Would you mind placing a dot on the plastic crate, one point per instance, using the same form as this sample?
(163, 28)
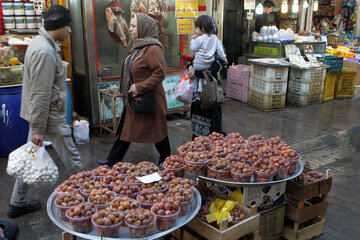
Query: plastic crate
(307, 75)
(344, 87)
(265, 87)
(356, 91)
(329, 85)
(273, 51)
(335, 63)
(266, 102)
(238, 92)
(271, 74)
(238, 74)
(307, 87)
(304, 99)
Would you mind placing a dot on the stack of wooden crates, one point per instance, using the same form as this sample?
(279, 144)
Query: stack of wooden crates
(306, 205)
(306, 86)
(268, 85)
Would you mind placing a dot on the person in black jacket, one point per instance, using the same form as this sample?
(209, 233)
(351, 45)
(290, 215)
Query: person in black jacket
(262, 20)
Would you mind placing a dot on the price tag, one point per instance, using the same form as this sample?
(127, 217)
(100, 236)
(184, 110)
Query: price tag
(155, 177)
(249, 15)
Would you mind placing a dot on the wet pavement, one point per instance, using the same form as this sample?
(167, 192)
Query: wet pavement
(326, 135)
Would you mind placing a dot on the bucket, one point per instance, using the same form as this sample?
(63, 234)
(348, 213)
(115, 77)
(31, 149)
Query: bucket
(38, 21)
(29, 8)
(69, 117)
(30, 21)
(14, 129)
(20, 22)
(7, 7)
(9, 21)
(18, 8)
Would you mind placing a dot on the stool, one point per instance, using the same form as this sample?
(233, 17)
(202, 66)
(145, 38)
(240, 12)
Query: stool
(113, 93)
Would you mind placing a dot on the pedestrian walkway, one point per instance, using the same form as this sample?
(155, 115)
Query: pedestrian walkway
(326, 135)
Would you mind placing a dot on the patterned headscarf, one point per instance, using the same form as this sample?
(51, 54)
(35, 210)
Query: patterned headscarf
(147, 35)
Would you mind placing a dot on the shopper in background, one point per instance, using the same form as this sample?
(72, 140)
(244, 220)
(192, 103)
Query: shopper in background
(9, 229)
(206, 45)
(43, 102)
(147, 71)
(205, 122)
(262, 20)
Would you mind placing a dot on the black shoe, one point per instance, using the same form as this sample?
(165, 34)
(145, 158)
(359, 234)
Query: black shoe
(105, 162)
(14, 211)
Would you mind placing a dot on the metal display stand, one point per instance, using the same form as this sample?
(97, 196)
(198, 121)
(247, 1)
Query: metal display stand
(299, 170)
(124, 232)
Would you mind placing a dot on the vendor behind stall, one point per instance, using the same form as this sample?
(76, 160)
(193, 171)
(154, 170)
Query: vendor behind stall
(262, 20)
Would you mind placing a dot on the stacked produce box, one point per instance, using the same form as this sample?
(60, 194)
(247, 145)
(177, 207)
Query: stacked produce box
(332, 75)
(306, 205)
(344, 87)
(238, 78)
(306, 86)
(268, 86)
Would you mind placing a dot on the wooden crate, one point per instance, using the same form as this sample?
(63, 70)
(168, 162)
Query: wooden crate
(305, 233)
(308, 191)
(301, 211)
(249, 225)
(272, 223)
(186, 233)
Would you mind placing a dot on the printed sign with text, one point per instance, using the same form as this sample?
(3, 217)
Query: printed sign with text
(185, 26)
(186, 8)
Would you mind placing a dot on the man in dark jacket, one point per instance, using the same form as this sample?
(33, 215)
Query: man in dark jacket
(262, 20)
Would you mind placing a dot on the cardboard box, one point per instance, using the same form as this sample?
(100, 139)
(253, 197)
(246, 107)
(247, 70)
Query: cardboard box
(356, 66)
(264, 198)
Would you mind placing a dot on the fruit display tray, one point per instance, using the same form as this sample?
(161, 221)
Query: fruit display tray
(299, 170)
(124, 232)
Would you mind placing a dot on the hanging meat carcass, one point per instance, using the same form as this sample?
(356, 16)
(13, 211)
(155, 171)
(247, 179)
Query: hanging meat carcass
(138, 6)
(117, 25)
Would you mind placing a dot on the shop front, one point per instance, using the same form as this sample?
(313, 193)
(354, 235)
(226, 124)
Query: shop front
(98, 55)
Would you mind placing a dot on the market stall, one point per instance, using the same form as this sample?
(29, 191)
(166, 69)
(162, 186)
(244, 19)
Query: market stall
(239, 188)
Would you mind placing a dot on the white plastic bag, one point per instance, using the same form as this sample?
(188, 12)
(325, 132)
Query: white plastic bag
(81, 131)
(184, 92)
(32, 165)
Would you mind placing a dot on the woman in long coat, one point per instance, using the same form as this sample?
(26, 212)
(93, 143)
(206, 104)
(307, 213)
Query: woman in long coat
(147, 71)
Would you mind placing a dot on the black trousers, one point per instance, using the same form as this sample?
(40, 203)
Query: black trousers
(210, 120)
(120, 148)
(11, 229)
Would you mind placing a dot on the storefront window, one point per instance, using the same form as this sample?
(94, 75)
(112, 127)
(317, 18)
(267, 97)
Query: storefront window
(172, 40)
(112, 53)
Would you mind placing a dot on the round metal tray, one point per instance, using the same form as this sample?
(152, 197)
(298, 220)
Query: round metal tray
(299, 170)
(124, 233)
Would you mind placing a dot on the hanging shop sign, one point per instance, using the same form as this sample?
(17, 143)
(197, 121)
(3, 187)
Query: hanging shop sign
(186, 8)
(202, 5)
(185, 26)
(249, 4)
(249, 15)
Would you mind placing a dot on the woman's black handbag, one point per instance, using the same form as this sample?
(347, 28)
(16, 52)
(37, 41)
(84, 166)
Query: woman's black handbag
(144, 103)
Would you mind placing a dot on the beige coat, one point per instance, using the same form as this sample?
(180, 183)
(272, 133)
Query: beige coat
(148, 72)
(43, 100)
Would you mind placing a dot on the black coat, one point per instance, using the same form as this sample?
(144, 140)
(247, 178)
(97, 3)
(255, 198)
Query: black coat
(261, 20)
